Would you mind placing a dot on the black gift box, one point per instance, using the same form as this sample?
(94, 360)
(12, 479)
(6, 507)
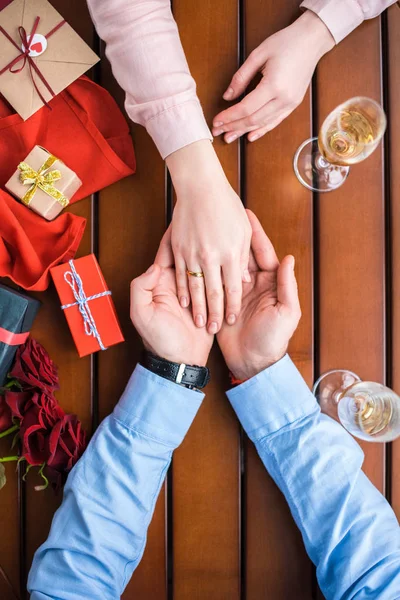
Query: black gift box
(17, 313)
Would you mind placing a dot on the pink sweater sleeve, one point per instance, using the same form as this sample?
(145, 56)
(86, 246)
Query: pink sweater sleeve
(342, 16)
(148, 61)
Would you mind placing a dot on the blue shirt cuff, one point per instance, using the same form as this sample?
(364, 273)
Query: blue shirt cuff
(157, 408)
(274, 398)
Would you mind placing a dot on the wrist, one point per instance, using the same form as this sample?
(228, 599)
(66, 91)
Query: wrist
(189, 375)
(248, 369)
(316, 33)
(194, 164)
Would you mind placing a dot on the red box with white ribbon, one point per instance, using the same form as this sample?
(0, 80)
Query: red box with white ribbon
(87, 304)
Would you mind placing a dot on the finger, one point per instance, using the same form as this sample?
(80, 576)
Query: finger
(262, 247)
(258, 133)
(255, 120)
(248, 106)
(215, 298)
(182, 282)
(231, 137)
(287, 285)
(243, 76)
(142, 292)
(244, 263)
(253, 266)
(165, 256)
(233, 290)
(198, 297)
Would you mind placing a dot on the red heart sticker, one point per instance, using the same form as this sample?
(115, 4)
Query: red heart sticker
(36, 47)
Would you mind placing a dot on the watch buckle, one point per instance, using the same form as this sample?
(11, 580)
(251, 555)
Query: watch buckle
(180, 373)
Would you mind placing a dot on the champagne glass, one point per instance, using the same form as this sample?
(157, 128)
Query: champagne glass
(349, 134)
(368, 410)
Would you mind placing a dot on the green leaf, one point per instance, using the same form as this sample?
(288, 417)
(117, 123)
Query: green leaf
(3, 479)
(13, 383)
(40, 488)
(15, 440)
(28, 468)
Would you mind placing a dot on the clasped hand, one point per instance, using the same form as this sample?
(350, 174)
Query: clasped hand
(268, 318)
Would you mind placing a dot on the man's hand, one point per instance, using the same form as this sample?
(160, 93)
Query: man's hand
(210, 233)
(270, 311)
(286, 61)
(166, 328)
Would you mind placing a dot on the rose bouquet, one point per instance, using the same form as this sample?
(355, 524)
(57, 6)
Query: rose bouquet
(45, 436)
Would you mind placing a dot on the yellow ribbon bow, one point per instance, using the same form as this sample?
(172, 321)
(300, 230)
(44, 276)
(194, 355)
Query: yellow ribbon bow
(43, 179)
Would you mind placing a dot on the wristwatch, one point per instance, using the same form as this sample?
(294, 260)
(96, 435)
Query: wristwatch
(191, 376)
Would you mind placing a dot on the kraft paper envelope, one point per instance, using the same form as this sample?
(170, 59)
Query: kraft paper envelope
(65, 59)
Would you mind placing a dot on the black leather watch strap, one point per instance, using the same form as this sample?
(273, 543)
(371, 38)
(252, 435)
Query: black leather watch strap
(188, 375)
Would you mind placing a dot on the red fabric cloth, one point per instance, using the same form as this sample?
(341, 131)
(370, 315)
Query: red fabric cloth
(30, 246)
(86, 130)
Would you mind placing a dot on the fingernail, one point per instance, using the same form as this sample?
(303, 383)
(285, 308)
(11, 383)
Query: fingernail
(213, 328)
(228, 94)
(150, 270)
(253, 138)
(217, 131)
(231, 319)
(246, 276)
(184, 302)
(218, 123)
(293, 262)
(231, 138)
(199, 321)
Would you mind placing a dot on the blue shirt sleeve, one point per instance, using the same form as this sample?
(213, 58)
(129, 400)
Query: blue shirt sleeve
(98, 534)
(349, 530)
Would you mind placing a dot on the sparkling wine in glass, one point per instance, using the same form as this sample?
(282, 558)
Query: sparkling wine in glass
(349, 134)
(368, 410)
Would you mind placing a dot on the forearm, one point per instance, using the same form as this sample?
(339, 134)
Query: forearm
(195, 164)
(349, 530)
(343, 16)
(148, 61)
(98, 535)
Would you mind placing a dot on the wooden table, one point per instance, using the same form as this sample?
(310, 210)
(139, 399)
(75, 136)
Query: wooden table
(221, 529)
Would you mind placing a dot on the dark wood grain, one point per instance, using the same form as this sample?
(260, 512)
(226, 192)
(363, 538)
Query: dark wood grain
(351, 234)
(274, 545)
(393, 66)
(206, 478)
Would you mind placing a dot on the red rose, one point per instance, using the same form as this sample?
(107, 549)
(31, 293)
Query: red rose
(17, 402)
(67, 443)
(34, 369)
(41, 413)
(12, 405)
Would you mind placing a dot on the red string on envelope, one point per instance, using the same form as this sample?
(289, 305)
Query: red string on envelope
(24, 56)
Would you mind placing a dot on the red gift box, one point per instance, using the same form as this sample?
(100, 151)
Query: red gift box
(87, 304)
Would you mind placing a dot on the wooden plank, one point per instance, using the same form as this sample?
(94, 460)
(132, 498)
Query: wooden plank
(131, 224)
(351, 234)
(205, 472)
(51, 329)
(277, 565)
(393, 66)
(9, 547)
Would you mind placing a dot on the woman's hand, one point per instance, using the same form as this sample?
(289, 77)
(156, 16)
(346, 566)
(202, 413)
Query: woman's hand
(210, 233)
(286, 61)
(270, 313)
